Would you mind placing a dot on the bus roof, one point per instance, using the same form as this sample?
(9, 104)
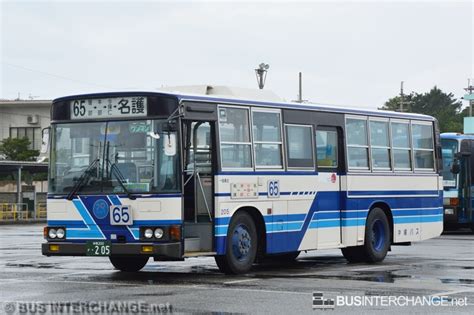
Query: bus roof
(239, 101)
(456, 136)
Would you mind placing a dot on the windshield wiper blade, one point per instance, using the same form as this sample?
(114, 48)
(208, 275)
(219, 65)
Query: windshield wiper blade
(84, 177)
(121, 180)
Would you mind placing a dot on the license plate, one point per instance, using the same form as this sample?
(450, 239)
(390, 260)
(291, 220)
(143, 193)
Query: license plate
(98, 248)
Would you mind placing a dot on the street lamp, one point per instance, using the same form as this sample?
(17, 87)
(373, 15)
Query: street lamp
(261, 74)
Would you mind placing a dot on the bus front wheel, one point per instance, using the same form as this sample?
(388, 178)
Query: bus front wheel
(241, 245)
(377, 240)
(129, 263)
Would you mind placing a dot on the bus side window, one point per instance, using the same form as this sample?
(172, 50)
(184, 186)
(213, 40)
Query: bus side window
(235, 142)
(326, 149)
(357, 144)
(299, 146)
(422, 138)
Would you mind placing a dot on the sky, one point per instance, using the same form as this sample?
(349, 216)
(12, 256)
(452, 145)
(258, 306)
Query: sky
(352, 53)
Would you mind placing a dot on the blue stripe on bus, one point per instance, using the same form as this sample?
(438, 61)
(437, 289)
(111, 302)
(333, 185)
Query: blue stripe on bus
(138, 196)
(401, 213)
(392, 192)
(358, 193)
(418, 219)
(67, 223)
(270, 173)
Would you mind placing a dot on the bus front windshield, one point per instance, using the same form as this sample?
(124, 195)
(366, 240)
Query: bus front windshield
(449, 149)
(114, 157)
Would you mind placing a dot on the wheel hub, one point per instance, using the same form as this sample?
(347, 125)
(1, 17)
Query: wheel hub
(241, 242)
(378, 235)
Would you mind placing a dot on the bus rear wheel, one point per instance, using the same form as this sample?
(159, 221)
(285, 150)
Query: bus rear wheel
(377, 240)
(129, 263)
(241, 245)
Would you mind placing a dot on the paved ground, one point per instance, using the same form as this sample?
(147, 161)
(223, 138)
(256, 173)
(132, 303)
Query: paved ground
(442, 266)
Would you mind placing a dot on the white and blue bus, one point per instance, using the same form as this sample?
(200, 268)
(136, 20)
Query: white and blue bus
(135, 175)
(458, 179)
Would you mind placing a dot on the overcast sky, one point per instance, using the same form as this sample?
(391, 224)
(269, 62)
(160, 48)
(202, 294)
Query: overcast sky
(352, 53)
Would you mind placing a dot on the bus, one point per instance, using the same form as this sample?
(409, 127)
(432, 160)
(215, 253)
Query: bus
(140, 175)
(458, 178)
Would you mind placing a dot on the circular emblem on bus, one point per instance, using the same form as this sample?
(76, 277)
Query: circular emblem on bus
(100, 209)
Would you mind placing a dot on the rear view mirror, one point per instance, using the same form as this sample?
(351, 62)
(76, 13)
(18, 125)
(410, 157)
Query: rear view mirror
(45, 140)
(169, 144)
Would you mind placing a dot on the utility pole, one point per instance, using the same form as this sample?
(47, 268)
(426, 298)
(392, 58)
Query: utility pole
(300, 89)
(402, 99)
(470, 97)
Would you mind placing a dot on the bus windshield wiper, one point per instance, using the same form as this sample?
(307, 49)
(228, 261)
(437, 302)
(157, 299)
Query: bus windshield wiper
(117, 173)
(83, 179)
(121, 179)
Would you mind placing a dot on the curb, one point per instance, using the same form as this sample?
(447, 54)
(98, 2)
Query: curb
(22, 222)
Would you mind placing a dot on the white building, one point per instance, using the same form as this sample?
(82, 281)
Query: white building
(24, 118)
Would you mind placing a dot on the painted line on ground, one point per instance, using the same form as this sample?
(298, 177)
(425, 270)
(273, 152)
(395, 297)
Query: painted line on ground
(241, 281)
(374, 267)
(453, 292)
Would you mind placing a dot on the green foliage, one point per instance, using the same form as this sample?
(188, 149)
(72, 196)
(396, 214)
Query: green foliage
(16, 149)
(436, 103)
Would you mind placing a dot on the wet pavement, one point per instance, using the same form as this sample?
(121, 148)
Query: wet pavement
(439, 267)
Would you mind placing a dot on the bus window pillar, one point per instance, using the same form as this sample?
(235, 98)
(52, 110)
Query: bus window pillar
(18, 188)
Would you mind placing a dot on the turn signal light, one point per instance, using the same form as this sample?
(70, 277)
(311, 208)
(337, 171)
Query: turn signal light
(147, 249)
(45, 232)
(54, 248)
(175, 232)
(454, 202)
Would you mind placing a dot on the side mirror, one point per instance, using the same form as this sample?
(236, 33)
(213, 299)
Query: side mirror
(170, 144)
(455, 168)
(45, 140)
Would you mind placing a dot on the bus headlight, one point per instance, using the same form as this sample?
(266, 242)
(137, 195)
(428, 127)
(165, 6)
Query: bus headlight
(159, 233)
(60, 233)
(148, 233)
(52, 233)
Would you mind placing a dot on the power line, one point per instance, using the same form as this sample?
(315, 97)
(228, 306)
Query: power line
(25, 115)
(56, 75)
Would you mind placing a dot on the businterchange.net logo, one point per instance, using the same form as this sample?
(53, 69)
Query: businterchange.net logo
(320, 302)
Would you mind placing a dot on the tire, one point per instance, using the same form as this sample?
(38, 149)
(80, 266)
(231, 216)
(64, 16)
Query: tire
(377, 240)
(353, 254)
(241, 245)
(129, 263)
(377, 236)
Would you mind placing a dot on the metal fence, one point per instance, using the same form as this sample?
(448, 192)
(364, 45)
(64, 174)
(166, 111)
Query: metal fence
(20, 212)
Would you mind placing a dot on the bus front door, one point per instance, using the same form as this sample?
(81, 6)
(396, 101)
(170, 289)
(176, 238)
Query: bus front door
(329, 215)
(198, 179)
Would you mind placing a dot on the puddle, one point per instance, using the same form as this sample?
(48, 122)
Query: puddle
(384, 276)
(32, 265)
(457, 281)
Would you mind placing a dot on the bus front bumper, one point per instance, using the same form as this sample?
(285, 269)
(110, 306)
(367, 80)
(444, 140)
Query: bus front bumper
(165, 250)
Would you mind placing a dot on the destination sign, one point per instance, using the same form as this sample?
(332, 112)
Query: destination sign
(116, 107)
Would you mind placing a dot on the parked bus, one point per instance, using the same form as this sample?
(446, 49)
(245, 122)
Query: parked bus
(135, 175)
(458, 178)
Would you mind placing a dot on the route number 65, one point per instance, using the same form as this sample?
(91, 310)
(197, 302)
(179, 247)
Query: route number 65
(273, 189)
(120, 215)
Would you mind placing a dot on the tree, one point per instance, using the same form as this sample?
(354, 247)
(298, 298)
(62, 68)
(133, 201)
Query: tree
(16, 149)
(436, 103)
